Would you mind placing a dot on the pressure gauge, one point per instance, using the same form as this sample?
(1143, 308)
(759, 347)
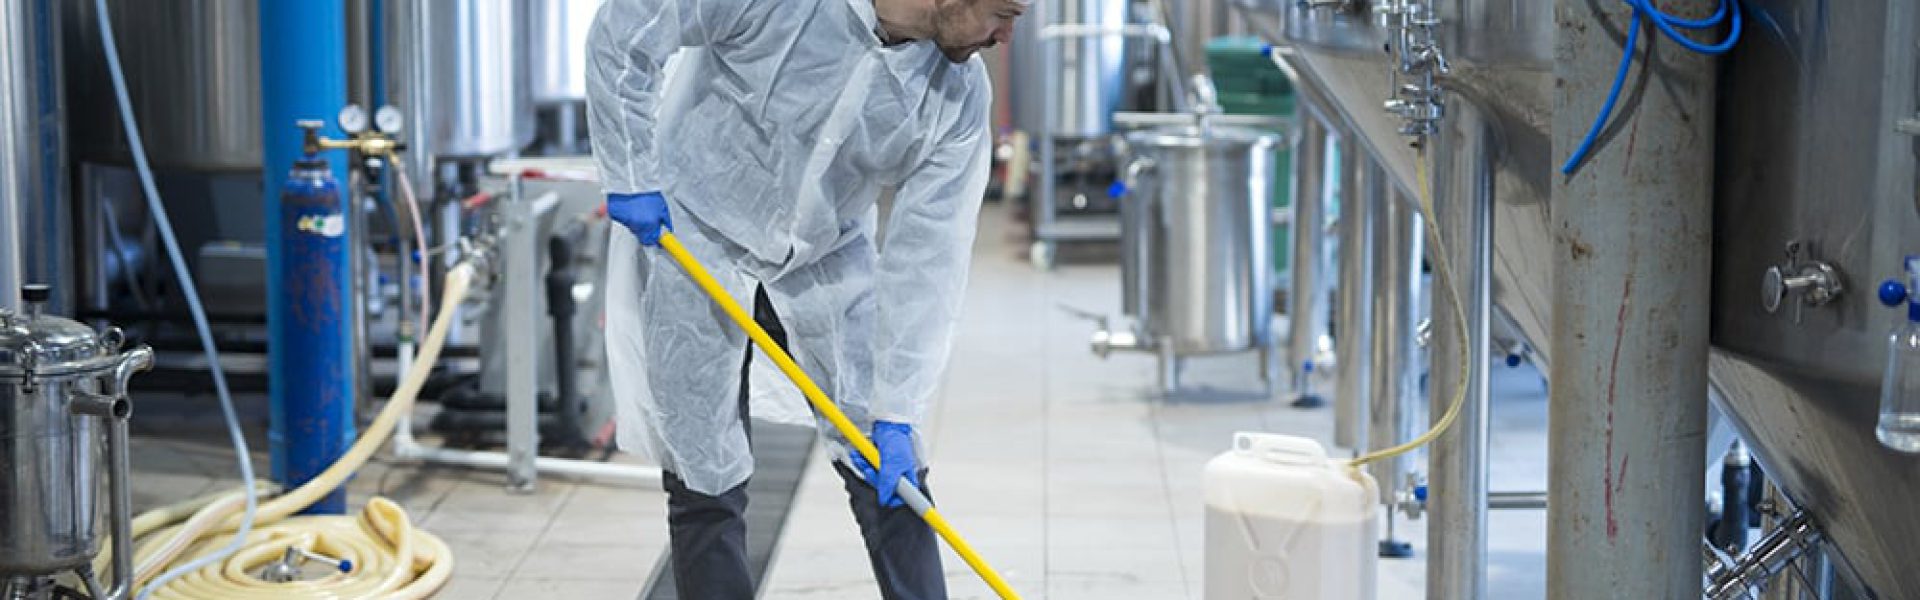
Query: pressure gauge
(353, 119)
(389, 120)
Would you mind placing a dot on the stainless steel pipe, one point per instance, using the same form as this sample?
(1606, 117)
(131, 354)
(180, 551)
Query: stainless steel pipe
(1464, 155)
(1307, 295)
(1396, 304)
(1363, 188)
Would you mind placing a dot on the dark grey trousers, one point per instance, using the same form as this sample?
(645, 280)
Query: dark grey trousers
(709, 537)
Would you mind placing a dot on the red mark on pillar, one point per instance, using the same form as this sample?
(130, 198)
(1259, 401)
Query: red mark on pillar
(1608, 487)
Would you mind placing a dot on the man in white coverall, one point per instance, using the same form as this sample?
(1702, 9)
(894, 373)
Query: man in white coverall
(765, 154)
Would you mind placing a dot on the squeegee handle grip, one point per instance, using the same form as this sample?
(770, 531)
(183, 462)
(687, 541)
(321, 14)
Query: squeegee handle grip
(825, 406)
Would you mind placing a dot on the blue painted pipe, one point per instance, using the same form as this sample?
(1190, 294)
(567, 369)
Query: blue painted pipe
(303, 75)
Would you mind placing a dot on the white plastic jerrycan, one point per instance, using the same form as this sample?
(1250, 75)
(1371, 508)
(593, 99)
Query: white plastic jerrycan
(1286, 522)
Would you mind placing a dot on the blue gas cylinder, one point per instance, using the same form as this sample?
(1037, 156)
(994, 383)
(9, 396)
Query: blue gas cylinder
(313, 424)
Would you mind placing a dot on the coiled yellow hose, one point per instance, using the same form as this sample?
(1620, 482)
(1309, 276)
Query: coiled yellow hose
(389, 558)
(1444, 273)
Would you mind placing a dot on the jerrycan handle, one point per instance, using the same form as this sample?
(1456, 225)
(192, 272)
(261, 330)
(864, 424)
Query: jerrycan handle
(1285, 449)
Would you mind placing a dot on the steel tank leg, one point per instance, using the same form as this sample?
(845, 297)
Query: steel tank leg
(1306, 298)
(1629, 336)
(1363, 184)
(1462, 179)
(1396, 271)
(303, 76)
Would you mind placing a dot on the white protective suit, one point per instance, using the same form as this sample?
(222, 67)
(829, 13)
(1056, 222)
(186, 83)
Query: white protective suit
(783, 121)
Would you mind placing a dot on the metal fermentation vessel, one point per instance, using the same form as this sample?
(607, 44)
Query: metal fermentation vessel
(193, 67)
(477, 74)
(557, 50)
(1814, 176)
(1195, 251)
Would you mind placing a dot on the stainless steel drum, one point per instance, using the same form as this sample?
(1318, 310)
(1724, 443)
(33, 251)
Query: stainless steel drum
(1196, 265)
(194, 69)
(557, 52)
(1085, 58)
(477, 78)
(58, 380)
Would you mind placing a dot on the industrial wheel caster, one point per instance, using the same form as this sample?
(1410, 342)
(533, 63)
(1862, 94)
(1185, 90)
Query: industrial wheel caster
(1041, 254)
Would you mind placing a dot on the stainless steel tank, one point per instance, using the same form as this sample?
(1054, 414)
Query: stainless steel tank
(1196, 259)
(557, 50)
(475, 70)
(58, 379)
(1820, 177)
(1807, 154)
(193, 67)
(1084, 59)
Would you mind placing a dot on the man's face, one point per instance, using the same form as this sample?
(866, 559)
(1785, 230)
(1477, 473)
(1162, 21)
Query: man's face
(964, 27)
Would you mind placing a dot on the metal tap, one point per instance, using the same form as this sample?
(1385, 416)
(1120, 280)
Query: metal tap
(288, 568)
(1418, 99)
(1816, 282)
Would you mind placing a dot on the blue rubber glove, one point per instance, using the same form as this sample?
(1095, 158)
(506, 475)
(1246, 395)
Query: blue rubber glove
(897, 461)
(644, 214)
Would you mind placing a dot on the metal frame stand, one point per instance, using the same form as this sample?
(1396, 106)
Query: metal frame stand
(519, 315)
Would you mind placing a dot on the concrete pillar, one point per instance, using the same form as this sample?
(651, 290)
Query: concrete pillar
(1629, 339)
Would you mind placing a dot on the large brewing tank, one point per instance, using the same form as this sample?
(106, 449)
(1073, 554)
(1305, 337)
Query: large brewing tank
(477, 74)
(1819, 162)
(1196, 262)
(557, 50)
(1815, 173)
(1083, 57)
(56, 377)
(193, 68)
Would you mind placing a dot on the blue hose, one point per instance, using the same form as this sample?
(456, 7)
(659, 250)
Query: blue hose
(192, 292)
(1667, 24)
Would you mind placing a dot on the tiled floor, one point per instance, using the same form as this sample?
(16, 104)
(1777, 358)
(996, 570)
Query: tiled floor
(1062, 469)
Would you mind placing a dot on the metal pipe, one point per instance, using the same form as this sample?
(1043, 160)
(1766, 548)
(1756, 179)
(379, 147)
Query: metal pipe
(1396, 277)
(499, 461)
(115, 408)
(1362, 189)
(1516, 500)
(518, 318)
(1464, 157)
(18, 144)
(1632, 262)
(1771, 556)
(1306, 297)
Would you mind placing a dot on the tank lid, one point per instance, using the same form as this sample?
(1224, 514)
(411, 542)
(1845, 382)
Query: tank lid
(48, 344)
(1194, 136)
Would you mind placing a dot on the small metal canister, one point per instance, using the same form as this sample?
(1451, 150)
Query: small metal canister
(62, 389)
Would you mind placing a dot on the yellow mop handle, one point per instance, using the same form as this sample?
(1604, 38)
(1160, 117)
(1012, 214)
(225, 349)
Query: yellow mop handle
(826, 407)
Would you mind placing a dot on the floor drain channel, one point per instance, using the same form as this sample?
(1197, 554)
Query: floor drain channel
(780, 457)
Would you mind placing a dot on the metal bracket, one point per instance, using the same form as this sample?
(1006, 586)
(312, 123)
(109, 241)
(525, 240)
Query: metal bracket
(1909, 126)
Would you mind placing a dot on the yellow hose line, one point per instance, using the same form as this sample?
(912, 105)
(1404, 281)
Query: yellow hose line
(390, 558)
(1445, 274)
(824, 405)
